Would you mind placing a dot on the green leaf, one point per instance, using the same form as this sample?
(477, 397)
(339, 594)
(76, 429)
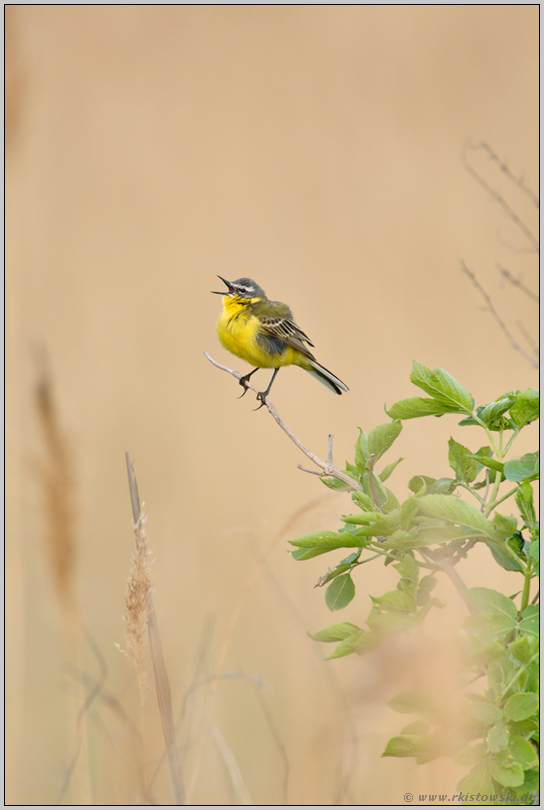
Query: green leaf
(530, 624)
(498, 737)
(341, 568)
(504, 524)
(489, 413)
(426, 585)
(401, 539)
(526, 407)
(315, 543)
(404, 745)
(522, 751)
(504, 557)
(336, 484)
(411, 703)
(340, 592)
(489, 601)
(358, 642)
(509, 774)
(442, 486)
(489, 627)
(462, 462)
(442, 387)
(484, 710)
(525, 467)
(361, 518)
(450, 508)
(420, 483)
(382, 437)
(534, 552)
(363, 501)
(386, 472)
(477, 782)
(485, 654)
(521, 706)
(471, 755)
(361, 452)
(391, 503)
(521, 649)
(379, 489)
(524, 501)
(418, 727)
(395, 600)
(408, 568)
(415, 407)
(487, 461)
(337, 632)
(408, 510)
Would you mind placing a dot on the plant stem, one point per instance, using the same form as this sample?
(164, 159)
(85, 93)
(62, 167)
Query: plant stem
(472, 492)
(518, 673)
(491, 505)
(526, 589)
(511, 441)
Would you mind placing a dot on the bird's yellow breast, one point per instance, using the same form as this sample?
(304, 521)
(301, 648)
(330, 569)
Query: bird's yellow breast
(238, 329)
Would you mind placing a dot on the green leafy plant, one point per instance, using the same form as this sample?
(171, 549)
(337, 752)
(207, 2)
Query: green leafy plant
(423, 537)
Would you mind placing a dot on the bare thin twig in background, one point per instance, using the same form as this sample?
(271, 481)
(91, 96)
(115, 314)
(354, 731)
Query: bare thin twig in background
(517, 283)
(509, 211)
(519, 181)
(328, 470)
(162, 683)
(491, 309)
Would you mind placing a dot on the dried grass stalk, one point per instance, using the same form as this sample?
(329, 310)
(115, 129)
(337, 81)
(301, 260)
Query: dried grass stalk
(142, 594)
(58, 484)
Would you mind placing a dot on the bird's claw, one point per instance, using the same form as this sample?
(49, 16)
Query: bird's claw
(243, 383)
(261, 396)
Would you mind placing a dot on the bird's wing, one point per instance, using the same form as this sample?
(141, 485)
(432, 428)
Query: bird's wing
(286, 329)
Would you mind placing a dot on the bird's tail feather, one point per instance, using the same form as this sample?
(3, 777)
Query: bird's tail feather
(326, 378)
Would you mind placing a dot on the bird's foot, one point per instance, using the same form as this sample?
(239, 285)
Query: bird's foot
(261, 396)
(243, 382)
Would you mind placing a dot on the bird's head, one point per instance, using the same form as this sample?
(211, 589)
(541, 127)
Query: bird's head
(242, 288)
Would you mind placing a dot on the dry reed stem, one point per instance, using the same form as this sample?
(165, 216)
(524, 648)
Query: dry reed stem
(57, 481)
(136, 603)
(56, 475)
(162, 684)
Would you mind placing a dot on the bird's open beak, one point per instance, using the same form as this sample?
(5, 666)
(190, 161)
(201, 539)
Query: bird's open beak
(223, 292)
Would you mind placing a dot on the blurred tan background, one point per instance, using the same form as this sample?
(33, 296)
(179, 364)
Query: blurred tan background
(316, 149)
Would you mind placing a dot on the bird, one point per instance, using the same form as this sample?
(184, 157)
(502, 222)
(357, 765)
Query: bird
(264, 333)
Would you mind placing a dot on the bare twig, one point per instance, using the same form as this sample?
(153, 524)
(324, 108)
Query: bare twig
(529, 338)
(328, 470)
(162, 683)
(509, 211)
(491, 309)
(517, 283)
(518, 181)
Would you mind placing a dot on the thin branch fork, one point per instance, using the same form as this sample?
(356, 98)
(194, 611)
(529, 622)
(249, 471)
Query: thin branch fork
(509, 211)
(328, 470)
(490, 308)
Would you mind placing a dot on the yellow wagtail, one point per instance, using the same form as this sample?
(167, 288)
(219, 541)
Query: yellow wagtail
(264, 333)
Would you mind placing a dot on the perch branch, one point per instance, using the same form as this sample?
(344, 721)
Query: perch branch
(328, 470)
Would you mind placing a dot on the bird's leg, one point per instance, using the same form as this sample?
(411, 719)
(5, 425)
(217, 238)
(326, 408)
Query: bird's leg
(262, 395)
(243, 381)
